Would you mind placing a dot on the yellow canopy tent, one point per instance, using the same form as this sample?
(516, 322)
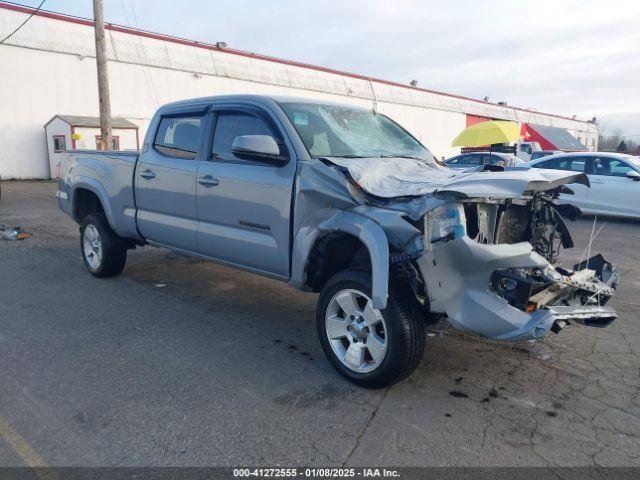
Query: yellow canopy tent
(488, 133)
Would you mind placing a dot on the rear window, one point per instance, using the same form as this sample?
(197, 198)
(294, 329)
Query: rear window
(179, 136)
(573, 164)
(472, 160)
(536, 155)
(635, 161)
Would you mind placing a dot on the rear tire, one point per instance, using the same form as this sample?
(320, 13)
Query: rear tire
(371, 348)
(104, 253)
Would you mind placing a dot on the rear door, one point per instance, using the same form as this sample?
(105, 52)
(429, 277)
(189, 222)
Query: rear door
(166, 181)
(578, 164)
(245, 206)
(612, 192)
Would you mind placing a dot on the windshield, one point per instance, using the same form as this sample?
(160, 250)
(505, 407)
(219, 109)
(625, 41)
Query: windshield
(635, 161)
(335, 131)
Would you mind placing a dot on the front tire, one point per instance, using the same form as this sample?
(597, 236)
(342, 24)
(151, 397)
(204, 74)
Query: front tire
(104, 253)
(369, 347)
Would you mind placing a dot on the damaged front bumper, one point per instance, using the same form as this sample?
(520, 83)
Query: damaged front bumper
(510, 292)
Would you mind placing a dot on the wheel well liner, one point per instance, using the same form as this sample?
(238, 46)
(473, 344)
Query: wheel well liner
(85, 202)
(333, 252)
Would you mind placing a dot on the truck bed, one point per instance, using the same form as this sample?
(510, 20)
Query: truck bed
(110, 175)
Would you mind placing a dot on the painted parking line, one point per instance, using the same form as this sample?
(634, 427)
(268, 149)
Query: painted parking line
(29, 456)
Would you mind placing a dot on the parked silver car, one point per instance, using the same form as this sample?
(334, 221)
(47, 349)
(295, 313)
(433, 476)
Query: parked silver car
(614, 179)
(543, 153)
(466, 161)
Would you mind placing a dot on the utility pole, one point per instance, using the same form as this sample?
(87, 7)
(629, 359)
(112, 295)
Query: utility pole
(103, 77)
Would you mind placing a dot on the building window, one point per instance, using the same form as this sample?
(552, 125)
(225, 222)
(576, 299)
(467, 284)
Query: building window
(115, 142)
(59, 143)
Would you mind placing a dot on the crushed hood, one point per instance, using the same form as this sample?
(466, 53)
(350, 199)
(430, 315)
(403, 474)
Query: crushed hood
(397, 177)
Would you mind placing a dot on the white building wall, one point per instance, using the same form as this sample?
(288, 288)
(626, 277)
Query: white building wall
(53, 71)
(127, 138)
(433, 128)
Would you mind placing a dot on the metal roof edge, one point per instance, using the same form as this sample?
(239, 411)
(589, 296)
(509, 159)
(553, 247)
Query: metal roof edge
(194, 43)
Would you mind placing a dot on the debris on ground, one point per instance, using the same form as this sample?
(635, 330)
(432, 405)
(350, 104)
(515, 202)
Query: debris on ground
(458, 394)
(13, 233)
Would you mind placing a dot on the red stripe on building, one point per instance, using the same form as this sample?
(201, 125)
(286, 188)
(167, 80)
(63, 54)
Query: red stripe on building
(231, 51)
(474, 119)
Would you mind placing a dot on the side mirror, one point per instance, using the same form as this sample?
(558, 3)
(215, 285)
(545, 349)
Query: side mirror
(261, 148)
(633, 175)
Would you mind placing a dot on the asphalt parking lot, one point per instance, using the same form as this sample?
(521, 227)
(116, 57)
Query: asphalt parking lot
(181, 362)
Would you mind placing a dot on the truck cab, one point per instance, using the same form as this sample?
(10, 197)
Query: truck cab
(209, 194)
(524, 150)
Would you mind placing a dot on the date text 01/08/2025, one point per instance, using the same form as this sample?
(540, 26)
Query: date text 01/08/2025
(315, 472)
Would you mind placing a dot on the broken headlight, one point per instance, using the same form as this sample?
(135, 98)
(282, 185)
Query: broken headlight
(445, 223)
(517, 286)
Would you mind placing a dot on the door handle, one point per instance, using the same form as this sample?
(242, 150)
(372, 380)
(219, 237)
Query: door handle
(597, 181)
(208, 181)
(148, 174)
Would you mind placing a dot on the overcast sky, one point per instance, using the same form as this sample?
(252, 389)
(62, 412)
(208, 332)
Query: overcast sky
(571, 57)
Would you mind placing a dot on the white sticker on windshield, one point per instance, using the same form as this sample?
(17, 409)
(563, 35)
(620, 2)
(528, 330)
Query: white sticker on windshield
(300, 118)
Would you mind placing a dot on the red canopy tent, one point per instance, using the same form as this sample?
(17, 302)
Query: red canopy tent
(551, 138)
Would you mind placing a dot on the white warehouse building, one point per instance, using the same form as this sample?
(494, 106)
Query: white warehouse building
(48, 68)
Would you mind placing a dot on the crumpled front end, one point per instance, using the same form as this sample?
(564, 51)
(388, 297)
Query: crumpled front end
(507, 291)
(482, 248)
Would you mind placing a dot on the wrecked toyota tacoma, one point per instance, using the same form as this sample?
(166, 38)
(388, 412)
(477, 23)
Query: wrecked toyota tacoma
(343, 201)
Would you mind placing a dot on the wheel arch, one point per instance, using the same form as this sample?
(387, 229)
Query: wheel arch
(89, 196)
(340, 229)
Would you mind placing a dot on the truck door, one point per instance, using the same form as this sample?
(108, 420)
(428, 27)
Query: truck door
(244, 206)
(166, 181)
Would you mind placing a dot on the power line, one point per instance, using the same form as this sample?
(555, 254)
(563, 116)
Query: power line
(142, 54)
(23, 23)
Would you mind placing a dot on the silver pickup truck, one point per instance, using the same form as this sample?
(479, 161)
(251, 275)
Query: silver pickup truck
(342, 201)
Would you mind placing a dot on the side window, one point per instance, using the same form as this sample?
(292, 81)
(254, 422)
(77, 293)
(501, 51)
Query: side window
(578, 165)
(453, 161)
(526, 148)
(494, 160)
(557, 164)
(59, 143)
(470, 160)
(574, 164)
(610, 167)
(234, 124)
(179, 136)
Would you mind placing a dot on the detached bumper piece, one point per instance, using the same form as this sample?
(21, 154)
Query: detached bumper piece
(577, 295)
(590, 316)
